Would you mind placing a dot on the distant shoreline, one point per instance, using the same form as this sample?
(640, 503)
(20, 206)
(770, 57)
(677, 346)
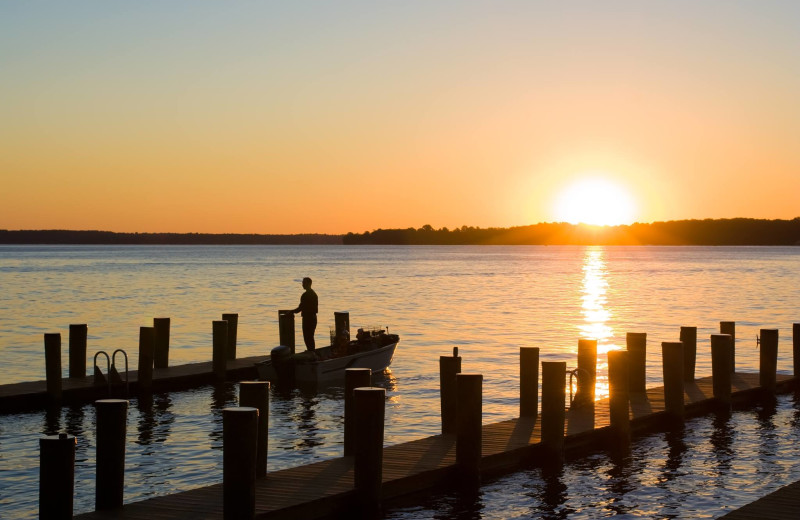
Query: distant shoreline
(730, 232)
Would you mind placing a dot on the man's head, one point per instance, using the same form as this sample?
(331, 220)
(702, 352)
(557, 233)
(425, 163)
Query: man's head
(306, 282)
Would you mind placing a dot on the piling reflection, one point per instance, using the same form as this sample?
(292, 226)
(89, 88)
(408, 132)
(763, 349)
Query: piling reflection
(223, 396)
(676, 450)
(52, 420)
(550, 494)
(722, 434)
(768, 435)
(155, 418)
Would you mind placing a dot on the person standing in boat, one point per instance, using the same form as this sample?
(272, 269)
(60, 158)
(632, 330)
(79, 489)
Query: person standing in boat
(309, 304)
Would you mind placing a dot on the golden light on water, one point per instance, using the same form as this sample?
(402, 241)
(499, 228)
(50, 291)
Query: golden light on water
(596, 314)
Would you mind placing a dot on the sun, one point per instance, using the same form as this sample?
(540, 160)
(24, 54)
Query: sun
(595, 201)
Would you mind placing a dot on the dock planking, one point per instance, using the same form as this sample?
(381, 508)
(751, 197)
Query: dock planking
(30, 395)
(324, 488)
(783, 504)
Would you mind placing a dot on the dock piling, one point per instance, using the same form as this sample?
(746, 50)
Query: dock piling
(286, 328)
(161, 345)
(554, 382)
(233, 326)
(729, 327)
(449, 366)
(370, 408)
(768, 361)
(255, 394)
(112, 418)
(689, 339)
(636, 343)
(77, 350)
(219, 348)
(147, 341)
(721, 346)
(56, 476)
(52, 365)
(619, 396)
(353, 378)
(672, 353)
(528, 381)
(239, 440)
(587, 372)
(469, 388)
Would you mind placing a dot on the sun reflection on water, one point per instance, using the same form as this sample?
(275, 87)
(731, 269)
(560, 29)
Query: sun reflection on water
(595, 313)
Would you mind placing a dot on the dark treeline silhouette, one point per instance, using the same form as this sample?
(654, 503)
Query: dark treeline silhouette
(56, 236)
(737, 231)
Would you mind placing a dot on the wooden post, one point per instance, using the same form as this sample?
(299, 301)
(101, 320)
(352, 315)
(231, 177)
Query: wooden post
(796, 349)
(77, 350)
(672, 353)
(112, 416)
(768, 360)
(469, 421)
(449, 366)
(220, 348)
(729, 327)
(147, 341)
(370, 405)
(233, 325)
(619, 397)
(161, 346)
(554, 383)
(353, 378)
(56, 476)
(587, 371)
(52, 365)
(721, 346)
(255, 394)
(636, 343)
(239, 441)
(286, 328)
(528, 381)
(689, 339)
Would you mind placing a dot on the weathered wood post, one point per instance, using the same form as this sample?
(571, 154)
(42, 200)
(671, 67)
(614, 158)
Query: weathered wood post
(219, 348)
(255, 394)
(77, 349)
(286, 328)
(587, 372)
(721, 346)
(796, 349)
(112, 418)
(636, 343)
(554, 383)
(468, 433)
(161, 345)
(52, 365)
(370, 407)
(353, 378)
(449, 366)
(729, 327)
(689, 339)
(239, 440)
(768, 361)
(528, 381)
(147, 342)
(619, 396)
(233, 326)
(56, 476)
(672, 353)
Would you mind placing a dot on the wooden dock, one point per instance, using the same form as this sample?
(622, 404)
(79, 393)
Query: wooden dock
(326, 488)
(32, 395)
(783, 504)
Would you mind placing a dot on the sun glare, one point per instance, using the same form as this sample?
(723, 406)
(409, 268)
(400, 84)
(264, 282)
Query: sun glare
(595, 201)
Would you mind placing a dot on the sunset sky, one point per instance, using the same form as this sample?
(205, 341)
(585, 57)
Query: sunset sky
(289, 117)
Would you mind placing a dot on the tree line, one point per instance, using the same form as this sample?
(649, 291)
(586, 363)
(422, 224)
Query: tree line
(66, 237)
(736, 231)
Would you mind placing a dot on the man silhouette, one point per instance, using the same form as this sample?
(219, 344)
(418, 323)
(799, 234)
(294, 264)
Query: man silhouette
(309, 304)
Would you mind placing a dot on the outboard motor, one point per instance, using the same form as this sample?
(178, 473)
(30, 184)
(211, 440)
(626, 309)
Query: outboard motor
(283, 363)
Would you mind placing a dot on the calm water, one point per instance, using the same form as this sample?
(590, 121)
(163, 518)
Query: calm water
(488, 301)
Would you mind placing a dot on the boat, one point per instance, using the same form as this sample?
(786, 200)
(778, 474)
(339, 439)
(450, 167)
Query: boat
(373, 348)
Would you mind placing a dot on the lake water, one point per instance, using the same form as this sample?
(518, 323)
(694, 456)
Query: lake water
(487, 300)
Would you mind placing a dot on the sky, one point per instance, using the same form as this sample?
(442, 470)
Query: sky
(331, 117)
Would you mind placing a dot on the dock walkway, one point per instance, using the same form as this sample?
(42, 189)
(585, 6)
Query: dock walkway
(325, 488)
(783, 504)
(17, 397)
